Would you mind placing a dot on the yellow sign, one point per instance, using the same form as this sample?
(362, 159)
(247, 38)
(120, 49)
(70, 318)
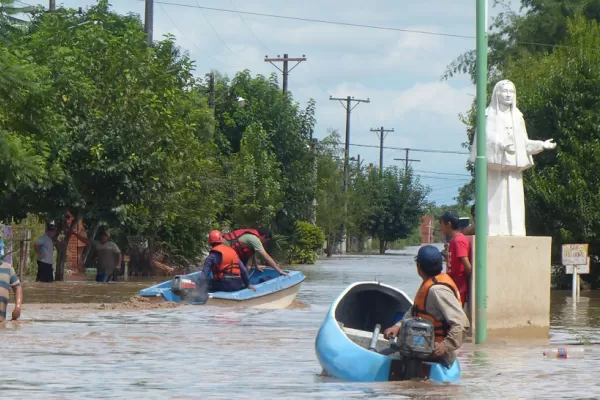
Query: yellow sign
(574, 254)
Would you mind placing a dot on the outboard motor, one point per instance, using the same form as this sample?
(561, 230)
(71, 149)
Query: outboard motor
(190, 290)
(416, 338)
(182, 286)
(415, 343)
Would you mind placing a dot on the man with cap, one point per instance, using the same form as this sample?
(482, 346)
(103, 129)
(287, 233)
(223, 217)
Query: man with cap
(44, 248)
(107, 253)
(437, 300)
(228, 272)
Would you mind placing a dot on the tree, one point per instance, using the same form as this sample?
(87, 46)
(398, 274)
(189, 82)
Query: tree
(288, 127)
(127, 137)
(398, 203)
(330, 190)
(558, 95)
(254, 181)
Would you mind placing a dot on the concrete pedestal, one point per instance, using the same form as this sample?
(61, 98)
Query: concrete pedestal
(518, 287)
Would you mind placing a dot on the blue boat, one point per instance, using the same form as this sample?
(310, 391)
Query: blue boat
(273, 291)
(346, 336)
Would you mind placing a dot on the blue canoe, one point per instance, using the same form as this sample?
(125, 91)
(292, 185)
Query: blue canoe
(272, 290)
(342, 344)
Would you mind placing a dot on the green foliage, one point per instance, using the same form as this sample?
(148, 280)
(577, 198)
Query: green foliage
(558, 95)
(397, 203)
(330, 190)
(288, 128)
(254, 180)
(306, 241)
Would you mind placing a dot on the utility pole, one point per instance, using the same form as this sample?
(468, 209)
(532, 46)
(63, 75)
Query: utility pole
(285, 71)
(149, 21)
(382, 133)
(211, 90)
(52, 5)
(348, 106)
(406, 161)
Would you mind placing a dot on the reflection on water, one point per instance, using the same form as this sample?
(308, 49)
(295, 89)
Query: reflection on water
(222, 353)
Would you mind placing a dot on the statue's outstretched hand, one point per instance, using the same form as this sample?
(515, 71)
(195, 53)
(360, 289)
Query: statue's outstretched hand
(549, 144)
(510, 149)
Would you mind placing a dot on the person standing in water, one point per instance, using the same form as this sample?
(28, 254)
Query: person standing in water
(107, 254)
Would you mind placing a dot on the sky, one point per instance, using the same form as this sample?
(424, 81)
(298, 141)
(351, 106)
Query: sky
(400, 72)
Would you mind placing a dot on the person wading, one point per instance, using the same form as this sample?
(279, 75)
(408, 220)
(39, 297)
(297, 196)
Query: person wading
(44, 248)
(459, 252)
(9, 280)
(248, 242)
(107, 253)
(228, 272)
(438, 301)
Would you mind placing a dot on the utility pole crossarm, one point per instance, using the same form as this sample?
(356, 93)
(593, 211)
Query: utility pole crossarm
(286, 70)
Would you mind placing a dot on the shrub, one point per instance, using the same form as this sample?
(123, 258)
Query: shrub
(305, 242)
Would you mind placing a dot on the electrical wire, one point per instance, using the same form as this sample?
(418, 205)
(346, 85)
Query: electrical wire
(192, 42)
(440, 173)
(248, 27)
(348, 24)
(211, 27)
(405, 148)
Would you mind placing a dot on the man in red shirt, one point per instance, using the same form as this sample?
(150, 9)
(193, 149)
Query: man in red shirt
(458, 265)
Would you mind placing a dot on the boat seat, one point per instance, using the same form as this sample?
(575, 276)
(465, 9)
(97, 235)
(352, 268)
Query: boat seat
(363, 338)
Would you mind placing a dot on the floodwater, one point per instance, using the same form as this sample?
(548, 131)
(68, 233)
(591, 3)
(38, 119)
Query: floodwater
(101, 350)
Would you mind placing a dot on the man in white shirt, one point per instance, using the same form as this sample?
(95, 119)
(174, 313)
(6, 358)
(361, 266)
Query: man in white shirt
(44, 248)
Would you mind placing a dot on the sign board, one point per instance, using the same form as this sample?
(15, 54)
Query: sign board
(575, 254)
(580, 269)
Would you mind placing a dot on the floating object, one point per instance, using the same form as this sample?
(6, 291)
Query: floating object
(349, 345)
(272, 290)
(565, 352)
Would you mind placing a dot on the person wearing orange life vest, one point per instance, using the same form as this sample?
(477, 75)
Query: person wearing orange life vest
(228, 272)
(437, 300)
(248, 242)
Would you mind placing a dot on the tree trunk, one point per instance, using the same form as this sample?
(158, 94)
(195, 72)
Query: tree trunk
(91, 235)
(382, 246)
(61, 250)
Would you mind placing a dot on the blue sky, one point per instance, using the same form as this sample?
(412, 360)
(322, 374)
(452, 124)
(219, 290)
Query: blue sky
(400, 72)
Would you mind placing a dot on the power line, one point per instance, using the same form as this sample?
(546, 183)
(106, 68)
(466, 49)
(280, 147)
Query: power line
(442, 178)
(191, 41)
(213, 29)
(249, 29)
(349, 24)
(441, 173)
(320, 21)
(407, 148)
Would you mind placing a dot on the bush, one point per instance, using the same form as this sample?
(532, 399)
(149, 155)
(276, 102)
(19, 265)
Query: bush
(306, 241)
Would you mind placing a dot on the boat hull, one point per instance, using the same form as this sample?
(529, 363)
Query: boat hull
(343, 353)
(273, 291)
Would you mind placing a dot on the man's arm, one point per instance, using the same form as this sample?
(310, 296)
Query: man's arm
(469, 230)
(462, 251)
(209, 262)
(245, 276)
(271, 262)
(119, 257)
(445, 302)
(17, 288)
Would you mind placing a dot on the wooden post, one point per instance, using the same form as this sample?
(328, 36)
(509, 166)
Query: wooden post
(27, 246)
(21, 256)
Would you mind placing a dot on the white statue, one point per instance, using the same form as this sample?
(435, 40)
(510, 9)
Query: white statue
(509, 153)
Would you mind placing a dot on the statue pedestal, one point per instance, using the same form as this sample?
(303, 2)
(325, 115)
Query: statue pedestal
(518, 287)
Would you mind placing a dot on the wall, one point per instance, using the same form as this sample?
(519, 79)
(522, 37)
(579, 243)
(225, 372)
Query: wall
(427, 229)
(518, 287)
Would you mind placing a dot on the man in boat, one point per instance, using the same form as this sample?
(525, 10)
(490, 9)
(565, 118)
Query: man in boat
(438, 300)
(248, 242)
(228, 271)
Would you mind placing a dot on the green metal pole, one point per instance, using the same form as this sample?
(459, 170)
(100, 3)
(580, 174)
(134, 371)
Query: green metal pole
(481, 212)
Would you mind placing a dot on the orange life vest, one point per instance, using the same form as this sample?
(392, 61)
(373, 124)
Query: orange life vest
(229, 267)
(418, 310)
(243, 251)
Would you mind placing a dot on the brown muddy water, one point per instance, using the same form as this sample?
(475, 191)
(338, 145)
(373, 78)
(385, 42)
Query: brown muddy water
(87, 340)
